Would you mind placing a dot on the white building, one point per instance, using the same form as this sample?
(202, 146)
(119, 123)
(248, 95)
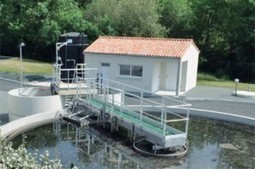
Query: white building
(153, 64)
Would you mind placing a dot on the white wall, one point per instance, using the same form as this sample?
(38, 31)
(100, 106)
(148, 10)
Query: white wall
(144, 82)
(3, 102)
(21, 106)
(192, 57)
(18, 126)
(151, 70)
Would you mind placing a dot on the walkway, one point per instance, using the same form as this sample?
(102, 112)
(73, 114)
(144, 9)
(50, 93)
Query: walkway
(221, 100)
(134, 117)
(201, 97)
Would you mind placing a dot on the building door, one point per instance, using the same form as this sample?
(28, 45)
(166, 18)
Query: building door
(168, 71)
(105, 68)
(184, 76)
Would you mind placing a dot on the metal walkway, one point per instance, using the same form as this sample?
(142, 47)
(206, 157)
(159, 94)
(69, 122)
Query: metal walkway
(144, 114)
(139, 111)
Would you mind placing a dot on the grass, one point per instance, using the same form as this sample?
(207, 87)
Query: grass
(204, 79)
(29, 66)
(35, 67)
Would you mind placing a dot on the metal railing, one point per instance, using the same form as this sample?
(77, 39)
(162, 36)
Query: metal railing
(141, 104)
(73, 76)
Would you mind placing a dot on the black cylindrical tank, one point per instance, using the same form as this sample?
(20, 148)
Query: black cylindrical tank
(72, 53)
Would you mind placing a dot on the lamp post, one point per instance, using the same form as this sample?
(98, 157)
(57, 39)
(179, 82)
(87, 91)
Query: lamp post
(236, 81)
(21, 66)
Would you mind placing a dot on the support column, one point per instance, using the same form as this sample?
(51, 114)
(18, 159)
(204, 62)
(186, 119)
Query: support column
(178, 81)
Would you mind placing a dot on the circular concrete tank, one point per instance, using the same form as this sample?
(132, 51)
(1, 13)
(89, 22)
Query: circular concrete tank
(32, 100)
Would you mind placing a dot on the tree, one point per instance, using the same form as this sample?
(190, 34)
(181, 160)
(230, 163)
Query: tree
(176, 17)
(102, 13)
(223, 29)
(39, 24)
(125, 17)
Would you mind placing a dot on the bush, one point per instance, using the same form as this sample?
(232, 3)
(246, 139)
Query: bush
(21, 158)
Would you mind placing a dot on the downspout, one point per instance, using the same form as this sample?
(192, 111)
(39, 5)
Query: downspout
(178, 81)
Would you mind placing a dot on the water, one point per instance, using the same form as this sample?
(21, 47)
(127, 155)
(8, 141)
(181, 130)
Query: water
(212, 145)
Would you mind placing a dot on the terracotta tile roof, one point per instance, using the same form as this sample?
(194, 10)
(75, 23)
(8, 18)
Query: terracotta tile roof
(155, 47)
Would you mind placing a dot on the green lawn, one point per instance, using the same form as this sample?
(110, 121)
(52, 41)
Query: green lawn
(36, 67)
(205, 79)
(29, 66)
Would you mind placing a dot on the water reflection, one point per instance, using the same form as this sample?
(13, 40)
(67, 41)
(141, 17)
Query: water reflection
(91, 149)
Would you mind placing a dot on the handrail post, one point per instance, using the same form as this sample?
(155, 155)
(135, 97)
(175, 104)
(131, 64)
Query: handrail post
(122, 98)
(163, 116)
(162, 109)
(94, 88)
(104, 97)
(112, 101)
(187, 121)
(89, 84)
(164, 122)
(76, 79)
(68, 71)
(141, 108)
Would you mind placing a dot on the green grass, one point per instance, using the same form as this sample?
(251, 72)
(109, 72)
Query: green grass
(29, 66)
(204, 79)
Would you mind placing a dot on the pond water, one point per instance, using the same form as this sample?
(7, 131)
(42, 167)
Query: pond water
(212, 145)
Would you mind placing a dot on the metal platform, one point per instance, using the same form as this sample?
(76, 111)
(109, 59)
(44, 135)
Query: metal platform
(143, 114)
(75, 82)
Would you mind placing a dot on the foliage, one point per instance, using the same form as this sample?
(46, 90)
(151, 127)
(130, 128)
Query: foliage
(21, 158)
(223, 30)
(125, 17)
(39, 24)
(175, 15)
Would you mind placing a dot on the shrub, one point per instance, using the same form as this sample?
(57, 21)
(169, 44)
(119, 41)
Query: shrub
(21, 158)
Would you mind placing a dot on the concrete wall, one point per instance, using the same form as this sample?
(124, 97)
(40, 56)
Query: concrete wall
(3, 102)
(21, 106)
(18, 126)
(192, 57)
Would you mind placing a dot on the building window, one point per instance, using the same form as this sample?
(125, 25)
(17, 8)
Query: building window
(137, 71)
(105, 64)
(131, 70)
(125, 70)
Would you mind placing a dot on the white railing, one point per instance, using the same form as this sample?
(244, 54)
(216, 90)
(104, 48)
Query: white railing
(73, 76)
(137, 104)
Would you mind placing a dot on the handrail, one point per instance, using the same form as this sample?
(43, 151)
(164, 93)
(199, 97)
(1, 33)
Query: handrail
(82, 75)
(150, 101)
(86, 72)
(160, 122)
(142, 90)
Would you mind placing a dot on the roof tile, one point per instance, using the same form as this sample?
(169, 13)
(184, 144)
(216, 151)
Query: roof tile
(154, 47)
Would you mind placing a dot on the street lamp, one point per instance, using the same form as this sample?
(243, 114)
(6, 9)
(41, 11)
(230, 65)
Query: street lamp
(236, 81)
(21, 68)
